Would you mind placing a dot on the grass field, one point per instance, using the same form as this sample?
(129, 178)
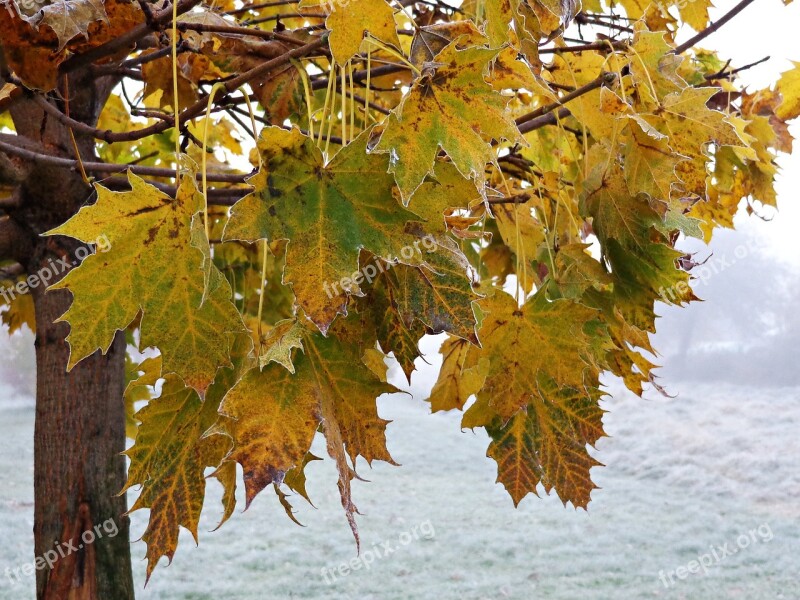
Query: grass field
(684, 475)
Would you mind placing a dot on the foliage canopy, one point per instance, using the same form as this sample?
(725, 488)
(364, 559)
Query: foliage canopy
(419, 169)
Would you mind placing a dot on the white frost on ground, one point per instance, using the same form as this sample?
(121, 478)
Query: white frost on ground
(683, 474)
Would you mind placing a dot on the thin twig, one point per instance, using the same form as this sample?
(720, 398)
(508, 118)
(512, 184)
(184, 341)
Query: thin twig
(713, 27)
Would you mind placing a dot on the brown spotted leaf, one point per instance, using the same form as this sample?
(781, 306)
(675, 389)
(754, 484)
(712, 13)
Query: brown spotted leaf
(154, 264)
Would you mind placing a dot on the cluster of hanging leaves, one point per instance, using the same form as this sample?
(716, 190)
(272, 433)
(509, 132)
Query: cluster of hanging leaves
(422, 170)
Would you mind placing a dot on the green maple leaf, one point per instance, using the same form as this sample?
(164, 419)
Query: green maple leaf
(452, 108)
(158, 265)
(378, 313)
(327, 212)
(404, 302)
(438, 294)
(643, 262)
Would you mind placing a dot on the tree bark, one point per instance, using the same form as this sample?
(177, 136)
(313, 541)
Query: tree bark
(79, 469)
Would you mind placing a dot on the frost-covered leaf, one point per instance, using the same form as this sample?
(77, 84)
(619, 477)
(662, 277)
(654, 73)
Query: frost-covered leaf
(450, 107)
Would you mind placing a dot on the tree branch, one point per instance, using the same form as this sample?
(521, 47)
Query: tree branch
(713, 27)
(96, 167)
(127, 39)
(216, 196)
(189, 113)
(11, 173)
(238, 30)
(604, 45)
(524, 122)
(358, 76)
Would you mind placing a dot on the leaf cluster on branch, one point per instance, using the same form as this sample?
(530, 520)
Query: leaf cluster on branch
(483, 171)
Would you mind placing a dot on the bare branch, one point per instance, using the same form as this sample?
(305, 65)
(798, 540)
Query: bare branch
(96, 167)
(713, 27)
(237, 30)
(127, 39)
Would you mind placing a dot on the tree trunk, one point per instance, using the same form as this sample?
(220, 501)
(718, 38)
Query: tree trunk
(82, 533)
(80, 521)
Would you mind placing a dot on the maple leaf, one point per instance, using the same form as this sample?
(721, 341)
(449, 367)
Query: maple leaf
(70, 18)
(655, 66)
(378, 313)
(327, 212)
(295, 478)
(173, 449)
(168, 460)
(441, 194)
(643, 263)
(650, 163)
(559, 340)
(695, 13)
(154, 267)
(274, 414)
(547, 444)
(578, 70)
(432, 39)
(523, 234)
(350, 23)
(18, 313)
(438, 294)
(404, 302)
(789, 88)
(141, 381)
(497, 15)
(281, 341)
(540, 413)
(685, 118)
(458, 378)
(451, 107)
